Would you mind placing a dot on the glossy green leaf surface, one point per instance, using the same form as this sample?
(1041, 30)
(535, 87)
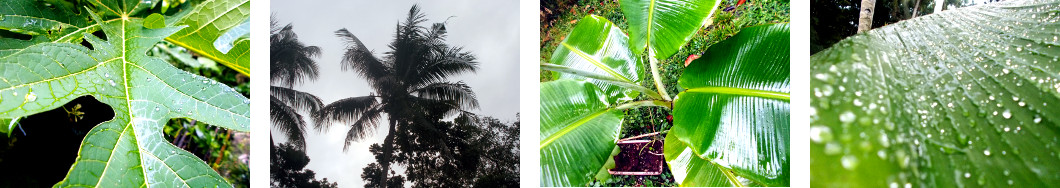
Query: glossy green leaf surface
(129, 150)
(736, 111)
(43, 23)
(598, 46)
(961, 98)
(207, 23)
(664, 26)
(691, 171)
(578, 132)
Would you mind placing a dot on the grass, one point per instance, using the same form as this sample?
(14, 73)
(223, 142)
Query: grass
(652, 119)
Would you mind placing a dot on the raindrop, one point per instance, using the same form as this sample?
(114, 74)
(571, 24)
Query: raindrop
(156, 109)
(820, 134)
(31, 97)
(847, 117)
(832, 148)
(112, 83)
(14, 93)
(849, 162)
(1006, 114)
(107, 75)
(1037, 119)
(967, 175)
(986, 152)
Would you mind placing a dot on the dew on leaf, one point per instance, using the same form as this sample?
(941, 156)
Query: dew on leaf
(847, 117)
(849, 162)
(31, 97)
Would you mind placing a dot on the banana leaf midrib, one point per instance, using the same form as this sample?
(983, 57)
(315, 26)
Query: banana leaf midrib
(742, 92)
(598, 64)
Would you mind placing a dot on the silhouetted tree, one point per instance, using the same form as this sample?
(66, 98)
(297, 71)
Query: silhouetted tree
(288, 169)
(409, 81)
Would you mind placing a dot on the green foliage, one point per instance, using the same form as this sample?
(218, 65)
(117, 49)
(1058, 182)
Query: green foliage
(218, 31)
(737, 100)
(597, 46)
(52, 68)
(964, 97)
(578, 132)
(673, 35)
(662, 27)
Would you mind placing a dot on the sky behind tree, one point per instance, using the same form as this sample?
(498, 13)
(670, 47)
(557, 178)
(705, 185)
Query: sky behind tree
(486, 28)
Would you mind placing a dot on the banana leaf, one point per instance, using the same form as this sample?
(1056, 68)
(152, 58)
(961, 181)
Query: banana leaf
(578, 133)
(735, 111)
(961, 98)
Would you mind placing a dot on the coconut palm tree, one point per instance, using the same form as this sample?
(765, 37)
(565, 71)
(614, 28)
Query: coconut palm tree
(291, 64)
(410, 85)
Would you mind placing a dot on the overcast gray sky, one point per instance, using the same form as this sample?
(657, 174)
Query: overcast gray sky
(487, 28)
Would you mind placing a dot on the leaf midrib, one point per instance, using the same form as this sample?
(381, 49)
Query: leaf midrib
(743, 92)
(587, 57)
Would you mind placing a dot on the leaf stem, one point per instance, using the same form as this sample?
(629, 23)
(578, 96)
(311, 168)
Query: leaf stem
(659, 86)
(742, 91)
(606, 78)
(644, 135)
(644, 103)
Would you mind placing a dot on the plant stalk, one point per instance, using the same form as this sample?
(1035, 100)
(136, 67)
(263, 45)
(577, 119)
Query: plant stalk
(644, 135)
(644, 103)
(659, 86)
(602, 77)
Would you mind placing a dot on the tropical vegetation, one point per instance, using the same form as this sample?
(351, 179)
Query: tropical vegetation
(597, 71)
(57, 55)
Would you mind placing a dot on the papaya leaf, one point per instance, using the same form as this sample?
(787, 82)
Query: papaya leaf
(209, 22)
(578, 132)
(735, 111)
(42, 23)
(144, 92)
(960, 98)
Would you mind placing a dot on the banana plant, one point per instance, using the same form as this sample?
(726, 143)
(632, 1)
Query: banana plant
(730, 121)
(56, 51)
(960, 98)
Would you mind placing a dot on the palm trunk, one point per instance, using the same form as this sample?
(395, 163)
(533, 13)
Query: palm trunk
(865, 22)
(916, 9)
(938, 6)
(388, 147)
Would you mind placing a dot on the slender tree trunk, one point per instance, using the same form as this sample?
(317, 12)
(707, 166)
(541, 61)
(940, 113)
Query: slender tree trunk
(867, 8)
(938, 6)
(916, 9)
(388, 147)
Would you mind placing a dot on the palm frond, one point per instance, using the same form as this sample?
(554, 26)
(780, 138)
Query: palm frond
(358, 58)
(291, 61)
(459, 93)
(287, 121)
(450, 62)
(362, 127)
(346, 110)
(296, 99)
